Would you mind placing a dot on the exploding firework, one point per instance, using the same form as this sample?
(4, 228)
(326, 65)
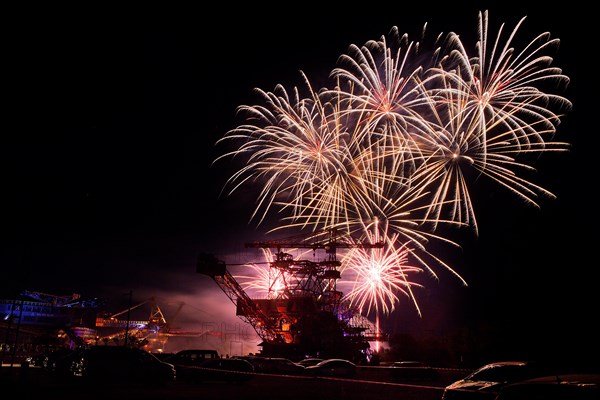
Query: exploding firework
(304, 156)
(402, 141)
(378, 276)
(484, 113)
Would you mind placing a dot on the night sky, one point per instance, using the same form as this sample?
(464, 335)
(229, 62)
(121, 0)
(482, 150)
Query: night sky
(109, 187)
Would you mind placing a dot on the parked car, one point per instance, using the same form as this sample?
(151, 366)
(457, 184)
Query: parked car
(233, 370)
(184, 360)
(334, 367)
(413, 371)
(276, 365)
(192, 356)
(109, 364)
(554, 387)
(310, 361)
(486, 381)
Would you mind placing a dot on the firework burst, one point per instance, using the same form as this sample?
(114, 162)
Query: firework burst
(402, 141)
(485, 112)
(303, 155)
(378, 276)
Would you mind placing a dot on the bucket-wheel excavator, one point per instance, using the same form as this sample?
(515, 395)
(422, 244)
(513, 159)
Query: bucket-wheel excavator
(308, 317)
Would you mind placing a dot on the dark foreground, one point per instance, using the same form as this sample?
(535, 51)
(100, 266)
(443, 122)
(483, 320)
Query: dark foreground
(369, 384)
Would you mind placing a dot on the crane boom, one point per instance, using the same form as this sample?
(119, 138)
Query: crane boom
(247, 309)
(129, 309)
(327, 239)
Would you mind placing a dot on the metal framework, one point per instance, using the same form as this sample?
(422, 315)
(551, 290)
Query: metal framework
(308, 313)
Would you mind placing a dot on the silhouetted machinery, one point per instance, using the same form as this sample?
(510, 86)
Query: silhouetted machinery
(77, 321)
(307, 315)
(144, 333)
(151, 334)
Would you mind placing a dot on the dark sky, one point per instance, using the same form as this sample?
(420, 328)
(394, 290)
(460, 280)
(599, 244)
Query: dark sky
(111, 123)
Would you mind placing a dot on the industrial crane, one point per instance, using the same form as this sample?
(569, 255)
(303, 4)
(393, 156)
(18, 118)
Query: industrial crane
(72, 301)
(151, 333)
(308, 315)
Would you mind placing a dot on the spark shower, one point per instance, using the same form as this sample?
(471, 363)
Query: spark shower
(392, 149)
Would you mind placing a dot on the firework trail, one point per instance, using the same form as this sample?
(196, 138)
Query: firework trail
(401, 140)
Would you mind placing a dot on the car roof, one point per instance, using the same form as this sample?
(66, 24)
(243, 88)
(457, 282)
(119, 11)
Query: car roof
(568, 386)
(409, 364)
(500, 363)
(310, 361)
(336, 360)
(564, 379)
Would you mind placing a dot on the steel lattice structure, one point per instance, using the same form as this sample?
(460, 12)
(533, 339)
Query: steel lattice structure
(308, 315)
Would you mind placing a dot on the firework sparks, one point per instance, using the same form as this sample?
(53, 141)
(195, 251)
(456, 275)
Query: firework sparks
(399, 140)
(500, 85)
(380, 275)
(303, 155)
(485, 112)
(263, 281)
